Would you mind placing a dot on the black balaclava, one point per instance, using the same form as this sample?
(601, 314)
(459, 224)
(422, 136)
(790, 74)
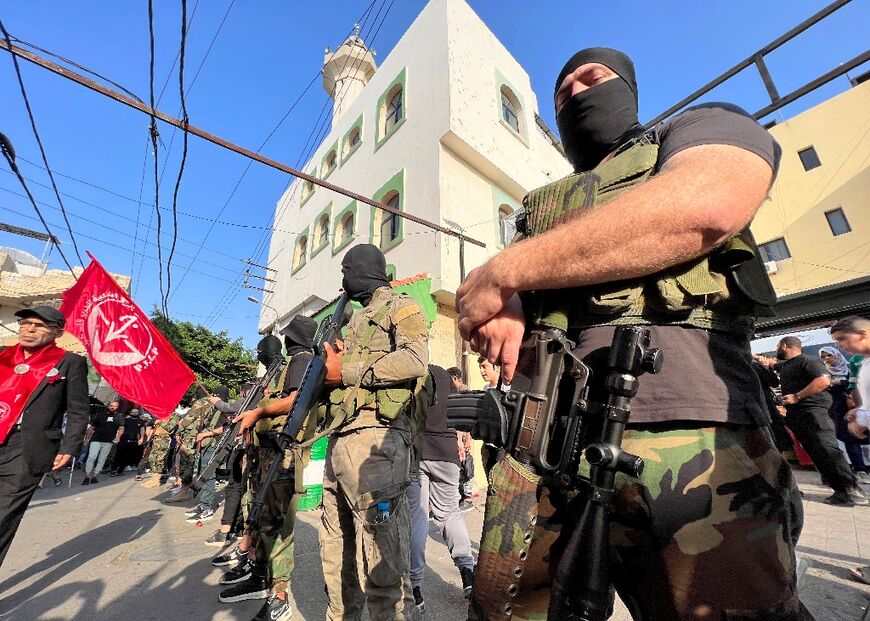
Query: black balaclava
(200, 392)
(598, 120)
(222, 392)
(268, 350)
(299, 334)
(365, 269)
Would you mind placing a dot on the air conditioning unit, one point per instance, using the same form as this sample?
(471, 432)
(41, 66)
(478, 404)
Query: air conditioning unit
(771, 267)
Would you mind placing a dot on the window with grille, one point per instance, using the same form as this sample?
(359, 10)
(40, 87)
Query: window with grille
(393, 113)
(509, 113)
(390, 222)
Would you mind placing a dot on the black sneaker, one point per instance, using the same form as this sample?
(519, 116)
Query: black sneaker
(467, 580)
(239, 573)
(275, 610)
(255, 587)
(195, 510)
(839, 499)
(219, 539)
(233, 557)
(418, 599)
(87, 481)
(94, 481)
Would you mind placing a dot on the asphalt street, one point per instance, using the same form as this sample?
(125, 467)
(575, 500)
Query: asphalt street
(115, 551)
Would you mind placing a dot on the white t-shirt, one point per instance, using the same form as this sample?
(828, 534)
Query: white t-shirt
(863, 415)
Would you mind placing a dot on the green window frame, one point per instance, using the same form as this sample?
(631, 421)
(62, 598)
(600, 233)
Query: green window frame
(339, 244)
(398, 84)
(346, 148)
(308, 188)
(323, 215)
(499, 198)
(303, 260)
(395, 185)
(324, 171)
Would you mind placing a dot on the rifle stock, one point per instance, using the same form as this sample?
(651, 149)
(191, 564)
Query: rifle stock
(306, 397)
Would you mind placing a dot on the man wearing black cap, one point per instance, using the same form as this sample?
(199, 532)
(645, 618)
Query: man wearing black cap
(39, 382)
(652, 229)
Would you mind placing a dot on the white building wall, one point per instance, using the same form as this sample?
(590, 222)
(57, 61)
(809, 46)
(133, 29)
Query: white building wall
(458, 157)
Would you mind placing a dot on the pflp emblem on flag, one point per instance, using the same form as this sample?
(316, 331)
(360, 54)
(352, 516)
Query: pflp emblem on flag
(124, 346)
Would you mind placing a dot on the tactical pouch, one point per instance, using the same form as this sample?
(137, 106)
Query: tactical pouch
(391, 402)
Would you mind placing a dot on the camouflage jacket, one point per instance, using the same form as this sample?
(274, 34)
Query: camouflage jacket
(386, 345)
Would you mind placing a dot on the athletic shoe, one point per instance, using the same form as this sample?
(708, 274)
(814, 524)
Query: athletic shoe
(275, 610)
(418, 599)
(219, 539)
(206, 515)
(94, 480)
(239, 573)
(255, 587)
(467, 580)
(197, 509)
(182, 495)
(233, 557)
(87, 481)
(851, 498)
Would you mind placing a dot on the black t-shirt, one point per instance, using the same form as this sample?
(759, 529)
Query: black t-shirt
(131, 429)
(105, 426)
(796, 374)
(295, 372)
(707, 375)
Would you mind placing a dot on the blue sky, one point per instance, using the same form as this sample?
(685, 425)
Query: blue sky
(265, 55)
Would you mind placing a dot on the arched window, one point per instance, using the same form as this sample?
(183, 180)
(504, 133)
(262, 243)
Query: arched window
(329, 163)
(345, 229)
(393, 112)
(510, 109)
(355, 137)
(307, 190)
(300, 252)
(390, 222)
(507, 226)
(321, 235)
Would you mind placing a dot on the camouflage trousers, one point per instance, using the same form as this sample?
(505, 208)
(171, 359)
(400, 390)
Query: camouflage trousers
(365, 559)
(273, 537)
(707, 533)
(157, 456)
(186, 461)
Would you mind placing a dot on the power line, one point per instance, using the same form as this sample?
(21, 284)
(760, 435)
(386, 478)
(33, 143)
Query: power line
(9, 154)
(184, 120)
(39, 142)
(111, 245)
(154, 134)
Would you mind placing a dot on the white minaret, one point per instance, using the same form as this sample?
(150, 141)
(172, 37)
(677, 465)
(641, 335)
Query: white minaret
(346, 72)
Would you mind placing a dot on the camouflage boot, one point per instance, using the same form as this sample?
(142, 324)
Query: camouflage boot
(151, 482)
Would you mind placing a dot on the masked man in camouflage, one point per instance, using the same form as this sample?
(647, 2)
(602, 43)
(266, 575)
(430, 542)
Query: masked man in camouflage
(190, 426)
(161, 439)
(365, 526)
(273, 536)
(651, 230)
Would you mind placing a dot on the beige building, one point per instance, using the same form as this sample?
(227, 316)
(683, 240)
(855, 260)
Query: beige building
(25, 281)
(814, 231)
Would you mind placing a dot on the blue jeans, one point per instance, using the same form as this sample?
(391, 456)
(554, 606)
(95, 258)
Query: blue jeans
(97, 453)
(207, 493)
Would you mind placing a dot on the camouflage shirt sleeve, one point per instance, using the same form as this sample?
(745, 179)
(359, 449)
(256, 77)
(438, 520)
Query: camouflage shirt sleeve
(410, 358)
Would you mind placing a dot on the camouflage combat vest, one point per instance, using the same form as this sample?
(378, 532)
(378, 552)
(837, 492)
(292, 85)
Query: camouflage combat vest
(724, 290)
(387, 403)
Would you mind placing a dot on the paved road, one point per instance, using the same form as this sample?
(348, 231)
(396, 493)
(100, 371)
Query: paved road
(116, 552)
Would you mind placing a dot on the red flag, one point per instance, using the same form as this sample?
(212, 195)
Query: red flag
(124, 346)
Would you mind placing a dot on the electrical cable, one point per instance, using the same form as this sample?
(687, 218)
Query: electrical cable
(9, 154)
(39, 140)
(184, 120)
(154, 134)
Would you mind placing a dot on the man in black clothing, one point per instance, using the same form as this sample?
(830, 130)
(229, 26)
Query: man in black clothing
(131, 444)
(804, 381)
(105, 426)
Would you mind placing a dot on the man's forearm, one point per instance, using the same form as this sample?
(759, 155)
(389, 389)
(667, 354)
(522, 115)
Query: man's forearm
(675, 217)
(276, 408)
(813, 388)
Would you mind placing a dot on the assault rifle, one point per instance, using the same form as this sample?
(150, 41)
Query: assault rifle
(306, 397)
(227, 442)
(547, 423)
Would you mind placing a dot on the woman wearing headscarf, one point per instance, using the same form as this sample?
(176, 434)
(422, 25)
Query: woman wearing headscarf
(838, 367)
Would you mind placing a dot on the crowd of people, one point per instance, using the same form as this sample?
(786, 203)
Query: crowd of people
(707, 530)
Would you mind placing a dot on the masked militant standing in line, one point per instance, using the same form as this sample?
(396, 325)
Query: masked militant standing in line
(273, 536)
(161, 438)
(365, 526)
(651, 230)
(189, 427)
